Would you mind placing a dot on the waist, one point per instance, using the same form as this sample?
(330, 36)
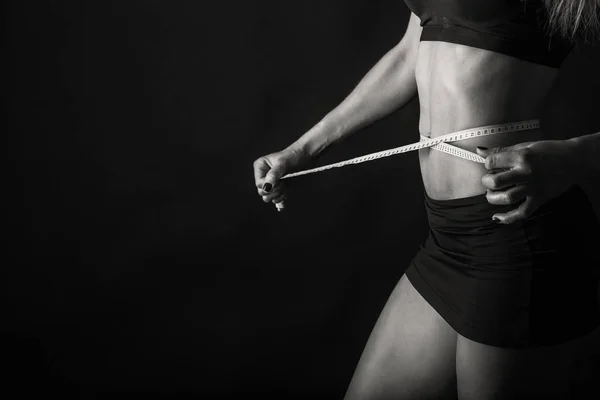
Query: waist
(446, 176)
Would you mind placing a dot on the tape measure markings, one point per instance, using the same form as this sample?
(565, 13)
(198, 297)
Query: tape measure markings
(438, 143)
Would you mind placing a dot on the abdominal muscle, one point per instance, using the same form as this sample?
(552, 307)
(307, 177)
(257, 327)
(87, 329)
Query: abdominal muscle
(461, 87)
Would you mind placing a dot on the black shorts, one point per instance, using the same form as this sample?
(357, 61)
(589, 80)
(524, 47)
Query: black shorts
(523, 285)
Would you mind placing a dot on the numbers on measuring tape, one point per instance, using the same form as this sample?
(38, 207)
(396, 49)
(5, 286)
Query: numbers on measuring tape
(439, 143)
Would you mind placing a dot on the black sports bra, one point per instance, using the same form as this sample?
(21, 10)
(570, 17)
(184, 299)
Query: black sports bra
(511, 27)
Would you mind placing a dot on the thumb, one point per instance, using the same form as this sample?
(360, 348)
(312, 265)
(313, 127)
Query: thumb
(484, 151)
(273, 176)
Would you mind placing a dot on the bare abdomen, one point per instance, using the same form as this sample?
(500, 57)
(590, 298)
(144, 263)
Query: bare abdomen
(462, 87)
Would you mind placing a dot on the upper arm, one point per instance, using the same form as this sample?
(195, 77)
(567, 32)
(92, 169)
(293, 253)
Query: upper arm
(412, 36)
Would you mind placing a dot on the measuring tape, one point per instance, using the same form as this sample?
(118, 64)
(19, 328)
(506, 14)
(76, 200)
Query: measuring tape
(438, 143)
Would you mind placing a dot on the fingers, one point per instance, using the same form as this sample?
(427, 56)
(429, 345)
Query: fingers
(484, 151)
(496, 180)
(267, 173)
(518, 214)
(505, 157)
(261, 167)
(279, 199)
(487, 153)
(273, 176)
(511, 195)
(276, 193)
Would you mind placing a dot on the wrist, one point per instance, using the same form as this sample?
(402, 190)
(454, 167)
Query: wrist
(315, 141)
(296, 157)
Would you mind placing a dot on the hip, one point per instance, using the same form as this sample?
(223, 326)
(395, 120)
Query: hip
(561, 233)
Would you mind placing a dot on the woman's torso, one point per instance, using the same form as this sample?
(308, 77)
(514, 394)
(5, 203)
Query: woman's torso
(462, 87)
(484, 80)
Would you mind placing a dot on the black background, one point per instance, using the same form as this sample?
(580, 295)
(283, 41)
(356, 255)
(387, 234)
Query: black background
(140, 259)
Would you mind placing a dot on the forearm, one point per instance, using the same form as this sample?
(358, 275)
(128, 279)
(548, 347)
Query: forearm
(388, 86)
(587, 154)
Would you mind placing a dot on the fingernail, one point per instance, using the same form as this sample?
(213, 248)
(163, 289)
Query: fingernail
(267, 187)
(482, 148)
(496, 219)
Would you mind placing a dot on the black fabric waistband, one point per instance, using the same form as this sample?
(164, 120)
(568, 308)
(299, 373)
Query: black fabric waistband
(473, 208)
(464, 226)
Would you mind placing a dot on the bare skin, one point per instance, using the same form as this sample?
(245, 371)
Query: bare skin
(462, 87)
(412, 352)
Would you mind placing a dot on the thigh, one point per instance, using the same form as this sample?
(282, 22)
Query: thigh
(487, 372)
(410, 353)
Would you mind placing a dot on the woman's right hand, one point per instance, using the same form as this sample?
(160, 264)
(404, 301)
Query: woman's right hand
(269, 169)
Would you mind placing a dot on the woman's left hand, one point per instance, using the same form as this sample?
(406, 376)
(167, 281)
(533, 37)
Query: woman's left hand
(527, 173)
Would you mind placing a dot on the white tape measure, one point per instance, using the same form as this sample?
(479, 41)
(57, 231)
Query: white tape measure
(438, 143)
